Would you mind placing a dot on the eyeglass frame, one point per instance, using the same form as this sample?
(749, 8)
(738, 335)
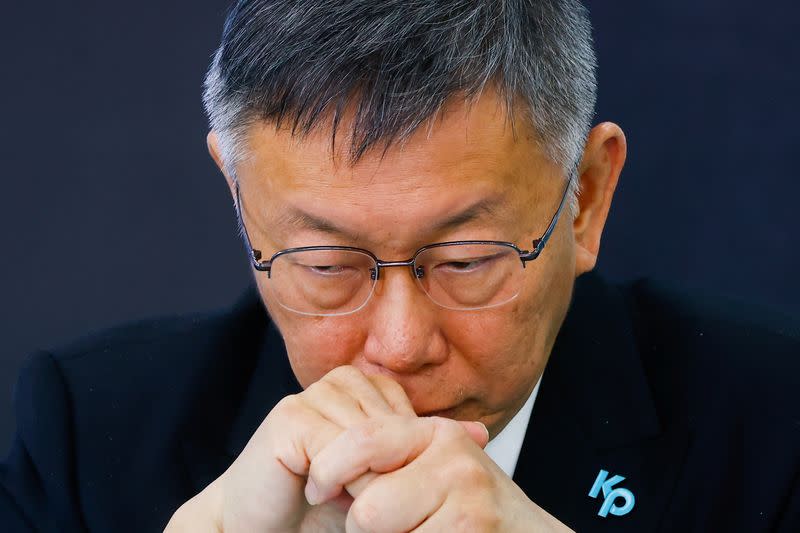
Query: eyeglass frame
(524, 255)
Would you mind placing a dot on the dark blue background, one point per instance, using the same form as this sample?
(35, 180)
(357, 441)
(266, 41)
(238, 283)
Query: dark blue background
(112, 210)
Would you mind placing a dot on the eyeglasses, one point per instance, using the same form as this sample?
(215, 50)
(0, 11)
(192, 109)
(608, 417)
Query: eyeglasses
(339, 280)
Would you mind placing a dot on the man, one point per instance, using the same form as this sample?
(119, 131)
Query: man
(478, 386)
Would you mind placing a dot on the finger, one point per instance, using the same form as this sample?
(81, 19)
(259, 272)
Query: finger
(394, 394)
(361, 389)
(431, 494)
(334, 403)
(267, 478)
(378, 445)
(354, 488)
(477, 431)
(296, 433)
(304, 432)
(398, 501)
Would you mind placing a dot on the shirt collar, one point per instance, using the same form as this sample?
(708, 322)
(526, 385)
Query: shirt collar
(505, 447)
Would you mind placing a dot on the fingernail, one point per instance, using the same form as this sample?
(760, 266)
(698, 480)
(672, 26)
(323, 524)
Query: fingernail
(312, 492)
(485, 429)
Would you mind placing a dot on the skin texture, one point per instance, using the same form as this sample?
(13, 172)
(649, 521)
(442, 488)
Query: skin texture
(467, 366)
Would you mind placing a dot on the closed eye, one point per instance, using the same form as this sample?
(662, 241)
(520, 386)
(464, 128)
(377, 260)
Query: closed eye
(468, 265)
(328, 270)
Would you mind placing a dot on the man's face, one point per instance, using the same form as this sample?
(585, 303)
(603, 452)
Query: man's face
(468, 365)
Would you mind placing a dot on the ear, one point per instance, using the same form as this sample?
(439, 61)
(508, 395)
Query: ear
(212, 140)
(599, 171)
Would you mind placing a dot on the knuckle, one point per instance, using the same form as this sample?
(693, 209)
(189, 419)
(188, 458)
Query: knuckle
(365, 515)
(475, 474)
(343, 373)
(290, 412)
(478, 519)
(321, 394)
(383, 382)
(470, 473)
(320, 388)
(295, 412)
(285, 432)
(364, 435)
(288, 404)
(449, 430)
(388, 385)
(287, 410)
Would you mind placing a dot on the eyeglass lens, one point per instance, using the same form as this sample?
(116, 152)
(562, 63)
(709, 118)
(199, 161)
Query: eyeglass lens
(335, 282)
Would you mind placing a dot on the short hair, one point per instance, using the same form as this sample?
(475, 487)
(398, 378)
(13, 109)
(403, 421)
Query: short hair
(399, 62)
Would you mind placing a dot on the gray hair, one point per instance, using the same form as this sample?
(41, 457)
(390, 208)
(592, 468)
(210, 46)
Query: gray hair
(399, 61)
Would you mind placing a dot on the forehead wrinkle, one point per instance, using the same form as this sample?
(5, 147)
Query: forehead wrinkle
(490, 207)
(487, 208)
(296, 218)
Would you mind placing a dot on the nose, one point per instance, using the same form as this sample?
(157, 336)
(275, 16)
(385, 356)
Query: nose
(403, 334)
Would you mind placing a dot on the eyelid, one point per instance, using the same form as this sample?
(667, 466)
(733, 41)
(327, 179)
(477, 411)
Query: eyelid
(339, 271)
(477, 262)
(465, 259)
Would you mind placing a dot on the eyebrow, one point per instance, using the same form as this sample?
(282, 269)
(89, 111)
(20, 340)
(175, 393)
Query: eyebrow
(488, 207)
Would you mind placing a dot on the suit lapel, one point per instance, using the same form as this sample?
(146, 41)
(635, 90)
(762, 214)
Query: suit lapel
(272, 380)
(595, 412)
(257, 359)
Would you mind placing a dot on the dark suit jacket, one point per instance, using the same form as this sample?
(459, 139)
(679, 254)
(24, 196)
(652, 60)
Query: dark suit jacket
(693, 401)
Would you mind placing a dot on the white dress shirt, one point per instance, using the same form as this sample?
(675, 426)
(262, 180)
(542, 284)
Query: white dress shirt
(505, 447)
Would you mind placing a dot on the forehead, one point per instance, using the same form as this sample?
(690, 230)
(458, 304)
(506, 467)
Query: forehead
(467, 153)
(465, 144)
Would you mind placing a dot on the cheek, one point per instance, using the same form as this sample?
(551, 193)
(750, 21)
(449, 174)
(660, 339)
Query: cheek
(499, 346)
(316, 345)
(505, 350)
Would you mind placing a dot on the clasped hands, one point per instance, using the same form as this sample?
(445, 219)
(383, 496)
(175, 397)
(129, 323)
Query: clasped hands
(350, 454)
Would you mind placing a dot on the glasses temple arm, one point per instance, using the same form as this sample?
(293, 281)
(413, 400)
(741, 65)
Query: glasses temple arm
(255, 255)
(538, 244)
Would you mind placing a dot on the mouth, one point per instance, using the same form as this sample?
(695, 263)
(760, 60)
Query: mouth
(450, 412)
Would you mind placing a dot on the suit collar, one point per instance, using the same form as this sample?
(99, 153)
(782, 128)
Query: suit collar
(596, 370)
(595, 411)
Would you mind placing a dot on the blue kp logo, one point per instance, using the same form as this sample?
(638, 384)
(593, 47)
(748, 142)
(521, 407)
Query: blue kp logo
(610, 494)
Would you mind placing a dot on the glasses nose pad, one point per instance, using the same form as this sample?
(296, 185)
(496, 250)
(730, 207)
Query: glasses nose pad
(373, 274)
(419, 272)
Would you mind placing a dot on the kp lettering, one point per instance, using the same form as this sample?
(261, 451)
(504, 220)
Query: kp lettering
(612, 496)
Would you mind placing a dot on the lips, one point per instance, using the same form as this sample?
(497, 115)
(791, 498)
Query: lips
(449, 412)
